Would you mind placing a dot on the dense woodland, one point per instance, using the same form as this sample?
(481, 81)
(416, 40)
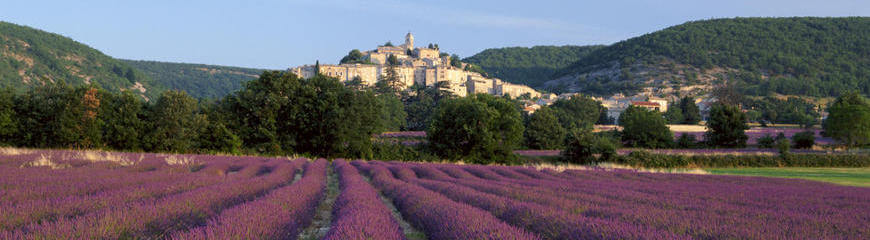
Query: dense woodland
(199, 80)
(528, 66)
(818, 57)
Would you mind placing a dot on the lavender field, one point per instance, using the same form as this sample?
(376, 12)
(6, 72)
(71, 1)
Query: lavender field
(47, 194)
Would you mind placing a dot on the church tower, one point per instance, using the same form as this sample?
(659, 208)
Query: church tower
(409, 41)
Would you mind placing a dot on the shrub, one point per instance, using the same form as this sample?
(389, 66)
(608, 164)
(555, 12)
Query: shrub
(582, 146)
(726, 127)
(687, 141)
(543, 130)
(481, 128)
(645, 128)
(647, 159)
(783, 146)
(804, 140)
(779, 136)
(766, 142)
(650, 160)
(399, 152)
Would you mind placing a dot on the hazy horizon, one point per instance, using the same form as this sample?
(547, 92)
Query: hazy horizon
(278, 35)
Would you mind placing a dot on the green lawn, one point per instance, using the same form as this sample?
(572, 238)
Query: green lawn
(845, 176)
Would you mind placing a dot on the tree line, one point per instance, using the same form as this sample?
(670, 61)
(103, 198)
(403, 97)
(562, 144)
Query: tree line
(281, 114)
(278, 113)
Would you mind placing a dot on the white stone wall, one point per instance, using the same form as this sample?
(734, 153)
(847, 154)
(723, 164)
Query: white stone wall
(425, 53)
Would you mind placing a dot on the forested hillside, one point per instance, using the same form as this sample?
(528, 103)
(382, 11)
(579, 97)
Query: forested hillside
(529, 66)
(31, 57)
(793, 56)
(198, 80)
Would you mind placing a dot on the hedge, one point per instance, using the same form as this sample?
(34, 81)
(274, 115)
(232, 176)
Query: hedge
(651, 160)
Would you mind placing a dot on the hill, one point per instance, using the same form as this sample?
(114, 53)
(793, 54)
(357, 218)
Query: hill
(199, 80)
(530, 66)
(34, 57)
(805, 56)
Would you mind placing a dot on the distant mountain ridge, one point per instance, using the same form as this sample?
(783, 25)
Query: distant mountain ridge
(530, 66)
(30, 57)
(803, 56)
(806, 56)
(199, 80)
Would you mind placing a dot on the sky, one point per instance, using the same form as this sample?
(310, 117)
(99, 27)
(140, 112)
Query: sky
(283, 34)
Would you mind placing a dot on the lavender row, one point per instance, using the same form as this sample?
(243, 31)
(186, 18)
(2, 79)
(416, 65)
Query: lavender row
(550, 222)
(359, 212)
(438, 216)
(744, 199)
(739, 207)
(50, 209)
(153, 219)
(44, 210)
(23, 184)
(281, 214)
(97, 184)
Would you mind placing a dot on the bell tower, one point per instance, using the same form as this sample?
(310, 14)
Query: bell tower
(409, 41)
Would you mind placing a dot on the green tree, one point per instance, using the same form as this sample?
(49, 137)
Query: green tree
(57, 115)
(217, 138)
(455, 61)
(674, 115)
(544, 131)
(645, 128)
(766, 141)
(173, 123)
(392, 60)
(420, 105)
(281, 113)
(389, 82)
(8, 117)
(354, 56)
(804, 140)
(687, 141)
(577, 112)
(393, 113)
(356, 83)
(317, 67)
(848, 120)
(582, 146)
(480, 128)
(691, 113)
(726, 127)
(265, 113)
(123, 126)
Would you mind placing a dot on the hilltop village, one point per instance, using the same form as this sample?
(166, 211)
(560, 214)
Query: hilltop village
(424, 66)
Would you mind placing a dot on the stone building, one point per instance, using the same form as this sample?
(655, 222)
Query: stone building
(423, 66)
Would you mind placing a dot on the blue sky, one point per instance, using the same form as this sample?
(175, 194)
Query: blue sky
(281, 34)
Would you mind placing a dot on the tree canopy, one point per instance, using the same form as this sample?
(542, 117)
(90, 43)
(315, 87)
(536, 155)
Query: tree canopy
(543, 130)
(726, 127)
(480, 128)
(645, 128)
(848, 120)
(577, 112)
